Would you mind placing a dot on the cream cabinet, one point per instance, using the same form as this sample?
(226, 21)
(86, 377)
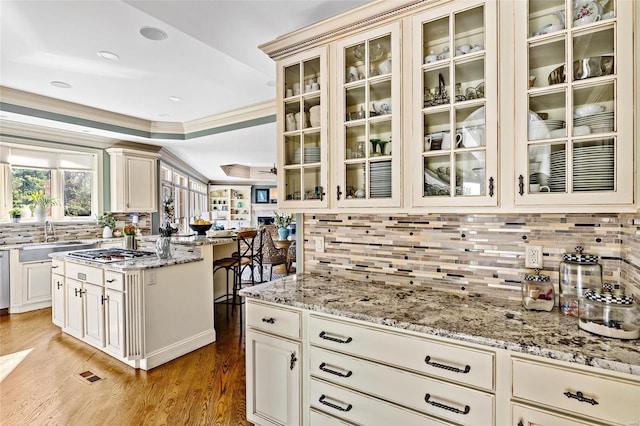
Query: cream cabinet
(574, 102)
(114, 313)
(133, 178)
(367, 107)
(36, 282)
(273, 362)
(302, 130)
(373, 380)
(455, 105)
(57, 299)
(576, 393)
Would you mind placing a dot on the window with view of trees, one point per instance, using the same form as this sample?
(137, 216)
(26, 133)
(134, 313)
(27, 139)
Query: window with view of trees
(69, 177)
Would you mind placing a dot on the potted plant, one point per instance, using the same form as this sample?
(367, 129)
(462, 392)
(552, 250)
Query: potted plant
(107, 222)
(282, 220)
(42, 203)
(16, 214)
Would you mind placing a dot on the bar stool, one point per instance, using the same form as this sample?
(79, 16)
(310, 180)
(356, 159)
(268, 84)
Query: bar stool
(236, 263)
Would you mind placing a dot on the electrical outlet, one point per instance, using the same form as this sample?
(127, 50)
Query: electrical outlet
(320, 244)
(533, 257)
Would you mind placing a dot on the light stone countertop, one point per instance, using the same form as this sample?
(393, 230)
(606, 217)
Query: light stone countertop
(177, 258)
(483, 320)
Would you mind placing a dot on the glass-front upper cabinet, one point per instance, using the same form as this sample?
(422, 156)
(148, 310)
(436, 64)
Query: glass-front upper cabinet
(368, 119)
(455, 105)
(574, 104)
(302, 130)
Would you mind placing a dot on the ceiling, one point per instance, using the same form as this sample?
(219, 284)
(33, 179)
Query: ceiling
(209, 60)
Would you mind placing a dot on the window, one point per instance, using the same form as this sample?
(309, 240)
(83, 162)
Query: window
(69, 177)
(189, 195)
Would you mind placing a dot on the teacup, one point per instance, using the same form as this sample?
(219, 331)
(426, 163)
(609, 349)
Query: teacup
(464, 48)
(385, 67)
(586, 20)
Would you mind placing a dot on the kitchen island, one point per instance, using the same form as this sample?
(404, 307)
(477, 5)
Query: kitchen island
(372, 350)
(144, 311)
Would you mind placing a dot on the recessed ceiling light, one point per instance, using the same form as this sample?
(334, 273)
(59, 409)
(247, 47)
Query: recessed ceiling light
(175, 99)
(109, 56)
(60, 84)
(152, 33)
(164, 115)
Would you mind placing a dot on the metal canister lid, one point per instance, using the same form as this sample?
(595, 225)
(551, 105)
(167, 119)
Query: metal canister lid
(608, 298)
(537, 277)
(580, 257)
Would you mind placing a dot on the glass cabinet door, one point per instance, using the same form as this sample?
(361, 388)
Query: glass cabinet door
(574, 109)
(368, 157)
(455, 103)
(302, 131)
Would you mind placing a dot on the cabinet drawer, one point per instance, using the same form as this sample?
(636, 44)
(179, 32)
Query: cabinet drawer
(361, 409)
(57, 266)
(608, 399)
(317, 418)
(467, 366)
(84, 273)
(430, 396)
(274, 320)
(114, 280)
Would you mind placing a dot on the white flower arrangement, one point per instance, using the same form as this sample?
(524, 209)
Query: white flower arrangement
(282, 220)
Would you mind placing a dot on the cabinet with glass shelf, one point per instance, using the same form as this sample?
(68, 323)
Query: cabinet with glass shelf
(367, 161)
(455, 105)
(302, 129)
(230, 203)
(574, 98)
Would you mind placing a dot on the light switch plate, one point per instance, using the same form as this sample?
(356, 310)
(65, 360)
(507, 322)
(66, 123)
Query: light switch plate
(320, 244)
(533, 257)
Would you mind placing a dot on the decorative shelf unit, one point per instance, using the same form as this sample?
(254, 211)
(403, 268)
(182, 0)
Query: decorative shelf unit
(231, 204)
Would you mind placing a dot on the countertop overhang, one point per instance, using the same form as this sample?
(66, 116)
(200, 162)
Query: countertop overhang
(479, 319)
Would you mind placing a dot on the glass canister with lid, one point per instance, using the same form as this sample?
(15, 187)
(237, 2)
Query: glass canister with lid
(537, 292)
(579, 272)
(607, 311)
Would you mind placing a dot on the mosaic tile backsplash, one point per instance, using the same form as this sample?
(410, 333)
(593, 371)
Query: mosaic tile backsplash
(33, 232)
(476, 253)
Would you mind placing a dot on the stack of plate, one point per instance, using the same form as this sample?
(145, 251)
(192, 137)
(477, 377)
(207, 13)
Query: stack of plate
(380, 179)
(593, 168)
(554, 124)
(558, 174)
(312, 155)
(296, 156)
(600, 122)
(314, 116)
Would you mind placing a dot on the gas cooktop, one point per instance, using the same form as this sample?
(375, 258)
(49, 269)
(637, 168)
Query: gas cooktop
(107, 255)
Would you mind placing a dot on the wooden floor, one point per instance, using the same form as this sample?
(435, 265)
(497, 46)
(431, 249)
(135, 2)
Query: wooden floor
(204, 387)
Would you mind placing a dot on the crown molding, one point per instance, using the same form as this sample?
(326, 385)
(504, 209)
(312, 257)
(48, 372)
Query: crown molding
(377, 12)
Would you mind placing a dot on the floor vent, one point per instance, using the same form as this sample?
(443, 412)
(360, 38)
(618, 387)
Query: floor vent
(90, 377)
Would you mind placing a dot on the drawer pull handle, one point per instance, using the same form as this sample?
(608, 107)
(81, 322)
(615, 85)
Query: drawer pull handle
(580, 397)
(336, 406)
(324, 368)
(446, 407)
(111, 280)
(268, 320)
(467, 368)
(324, 336)
(55, 267)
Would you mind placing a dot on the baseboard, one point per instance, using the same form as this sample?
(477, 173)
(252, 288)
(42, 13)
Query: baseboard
(178, 349)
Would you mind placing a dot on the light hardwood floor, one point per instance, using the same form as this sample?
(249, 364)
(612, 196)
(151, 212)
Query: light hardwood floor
(204, 387)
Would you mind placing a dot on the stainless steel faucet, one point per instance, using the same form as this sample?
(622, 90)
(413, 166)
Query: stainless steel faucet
(49, 231)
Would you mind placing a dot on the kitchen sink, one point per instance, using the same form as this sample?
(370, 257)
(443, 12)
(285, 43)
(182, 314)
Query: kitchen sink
(41, 251)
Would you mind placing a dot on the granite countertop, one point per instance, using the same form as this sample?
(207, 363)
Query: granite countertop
(137, 264)
(479, 319)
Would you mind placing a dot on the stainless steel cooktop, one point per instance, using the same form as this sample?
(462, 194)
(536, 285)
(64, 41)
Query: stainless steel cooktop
(106, 255)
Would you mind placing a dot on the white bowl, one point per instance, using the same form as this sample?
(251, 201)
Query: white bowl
(586, 110)
(382, 106)
(581, 130)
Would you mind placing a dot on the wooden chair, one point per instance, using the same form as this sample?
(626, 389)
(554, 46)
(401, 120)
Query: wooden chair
(244, 257)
